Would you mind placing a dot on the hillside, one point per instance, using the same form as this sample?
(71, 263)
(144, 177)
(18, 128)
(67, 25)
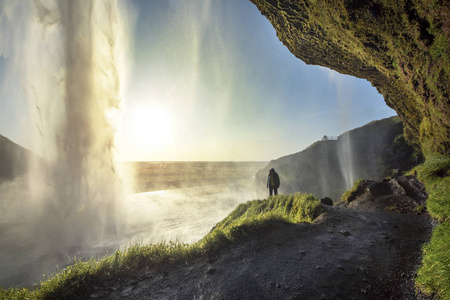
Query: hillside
(330, 167)
(13, 158)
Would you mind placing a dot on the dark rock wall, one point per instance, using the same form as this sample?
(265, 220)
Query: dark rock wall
(401, 47)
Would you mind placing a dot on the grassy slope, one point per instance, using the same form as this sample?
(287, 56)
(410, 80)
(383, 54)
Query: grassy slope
(403, 48)
(434, 274)
(248, 218)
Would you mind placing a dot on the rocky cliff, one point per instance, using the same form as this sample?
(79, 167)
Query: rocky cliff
(330, 167)
(401, 47)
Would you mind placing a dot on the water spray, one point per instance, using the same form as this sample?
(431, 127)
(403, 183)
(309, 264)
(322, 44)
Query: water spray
(71, 61)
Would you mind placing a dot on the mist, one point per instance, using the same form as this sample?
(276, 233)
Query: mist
(69, 58)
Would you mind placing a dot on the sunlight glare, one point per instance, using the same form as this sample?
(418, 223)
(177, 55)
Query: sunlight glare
(151, 125)
(146, 130)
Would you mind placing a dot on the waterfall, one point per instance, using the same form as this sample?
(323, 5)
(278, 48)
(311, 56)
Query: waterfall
(69, 57)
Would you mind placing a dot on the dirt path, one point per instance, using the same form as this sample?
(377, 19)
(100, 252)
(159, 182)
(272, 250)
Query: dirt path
(360, 250)
(347, 254)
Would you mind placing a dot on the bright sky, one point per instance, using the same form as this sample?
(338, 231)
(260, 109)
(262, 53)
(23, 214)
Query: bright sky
(209, 80)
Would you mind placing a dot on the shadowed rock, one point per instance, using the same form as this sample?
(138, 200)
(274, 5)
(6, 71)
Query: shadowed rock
(327, 201)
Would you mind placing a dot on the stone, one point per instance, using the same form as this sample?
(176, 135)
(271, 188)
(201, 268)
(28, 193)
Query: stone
(327, 201)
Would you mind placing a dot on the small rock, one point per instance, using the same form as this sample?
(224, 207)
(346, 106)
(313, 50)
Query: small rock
(127, 292)
(327, 201)
(210, 271)
(345, 233)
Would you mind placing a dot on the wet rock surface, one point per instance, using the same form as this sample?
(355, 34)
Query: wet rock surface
(362, 251)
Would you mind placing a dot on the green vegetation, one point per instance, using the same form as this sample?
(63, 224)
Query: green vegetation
(400, 156)
(349, 195)
(259, 215)
(435, 174)
(290, 208)
(420, 209)
(434, 275)
(82, 277)
(249, 218)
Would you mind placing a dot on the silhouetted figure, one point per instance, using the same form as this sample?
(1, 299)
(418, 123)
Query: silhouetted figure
(273, 182)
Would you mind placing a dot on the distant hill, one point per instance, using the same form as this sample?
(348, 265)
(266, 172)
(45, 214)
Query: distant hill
(13, 159)
(329, 167)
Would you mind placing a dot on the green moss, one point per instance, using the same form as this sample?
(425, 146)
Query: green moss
(402, 47)
(400, 156)
(435, 174)
(347, 197)
(420, 209)
(434, 274)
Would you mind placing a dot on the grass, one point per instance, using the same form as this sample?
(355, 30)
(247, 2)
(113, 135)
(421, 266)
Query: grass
(434, 274)
(258, 216)
(435, 174)
(347, 197)
(82, 277)
(249, 218)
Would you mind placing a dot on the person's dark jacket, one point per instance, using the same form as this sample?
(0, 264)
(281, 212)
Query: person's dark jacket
(276, 180)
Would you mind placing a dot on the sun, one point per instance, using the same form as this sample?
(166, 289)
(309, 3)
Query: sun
(149, 127)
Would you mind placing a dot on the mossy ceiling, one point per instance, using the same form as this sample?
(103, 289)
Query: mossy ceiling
(402, 47)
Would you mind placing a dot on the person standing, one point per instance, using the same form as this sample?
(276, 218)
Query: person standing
(273, 182)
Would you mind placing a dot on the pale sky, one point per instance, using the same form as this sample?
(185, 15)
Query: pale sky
(209, 80)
